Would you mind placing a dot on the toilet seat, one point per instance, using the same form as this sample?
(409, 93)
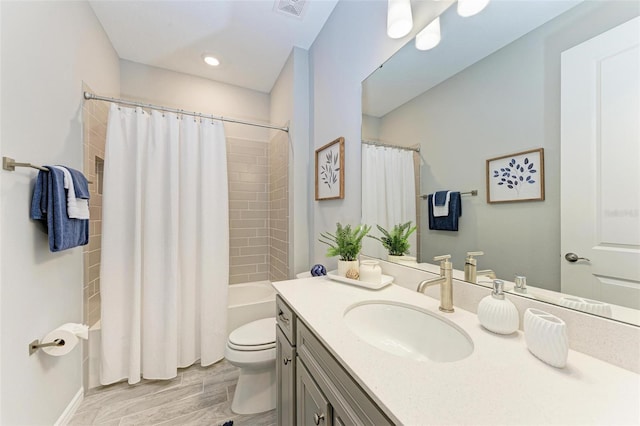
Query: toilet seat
(256, 336)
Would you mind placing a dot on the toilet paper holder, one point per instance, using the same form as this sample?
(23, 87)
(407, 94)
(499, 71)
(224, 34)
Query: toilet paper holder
(35, 345)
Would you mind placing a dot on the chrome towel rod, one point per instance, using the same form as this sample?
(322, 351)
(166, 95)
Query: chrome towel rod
(10, 164)
(91, 96)
(473, 193)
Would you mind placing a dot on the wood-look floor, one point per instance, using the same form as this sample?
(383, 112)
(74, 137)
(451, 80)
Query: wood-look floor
(197, 396)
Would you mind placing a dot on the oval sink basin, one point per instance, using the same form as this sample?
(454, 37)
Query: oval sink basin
(408, 331)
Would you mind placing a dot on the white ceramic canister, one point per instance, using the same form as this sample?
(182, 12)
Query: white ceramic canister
(345, 266)
(370, 271)
(546, 337)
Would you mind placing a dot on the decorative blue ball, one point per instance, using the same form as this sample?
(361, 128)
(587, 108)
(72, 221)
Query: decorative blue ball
(318, 270)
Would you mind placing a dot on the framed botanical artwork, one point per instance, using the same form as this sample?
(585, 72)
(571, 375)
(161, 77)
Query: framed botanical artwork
(330, 170)
(516, 177)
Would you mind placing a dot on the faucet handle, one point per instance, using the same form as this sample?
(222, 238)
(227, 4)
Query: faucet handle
(444, 262)
(444, 258)
(474, 253)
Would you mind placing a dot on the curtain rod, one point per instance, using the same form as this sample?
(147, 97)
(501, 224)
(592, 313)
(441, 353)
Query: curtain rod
(386, 145)
(91, 96)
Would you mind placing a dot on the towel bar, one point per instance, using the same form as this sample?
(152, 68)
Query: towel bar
(10, 165)
(473, 193)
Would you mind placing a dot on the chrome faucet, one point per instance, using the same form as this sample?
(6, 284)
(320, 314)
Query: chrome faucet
(471, 273)
(444, 280)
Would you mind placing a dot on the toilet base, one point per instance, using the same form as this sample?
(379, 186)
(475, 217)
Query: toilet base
(255, 391)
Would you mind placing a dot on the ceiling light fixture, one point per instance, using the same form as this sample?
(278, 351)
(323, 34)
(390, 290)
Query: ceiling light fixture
(429, 37)
(471, 7)
(399, 19)
(211, 60)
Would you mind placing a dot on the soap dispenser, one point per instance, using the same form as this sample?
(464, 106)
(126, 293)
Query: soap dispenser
(496, 313)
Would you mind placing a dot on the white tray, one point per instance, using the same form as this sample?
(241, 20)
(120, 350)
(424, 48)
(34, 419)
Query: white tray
(385, 281)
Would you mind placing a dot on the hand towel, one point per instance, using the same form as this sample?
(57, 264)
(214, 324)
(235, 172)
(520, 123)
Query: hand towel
(77, 208)
(449, 222)
(441, 203)
(49, 203)
(80, 184)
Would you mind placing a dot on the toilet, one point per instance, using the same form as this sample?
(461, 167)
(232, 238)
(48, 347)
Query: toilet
(252, 348)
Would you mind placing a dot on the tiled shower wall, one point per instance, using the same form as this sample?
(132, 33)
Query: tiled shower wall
(258, 209)
(248, 170)
(94, 118)
(279, 207)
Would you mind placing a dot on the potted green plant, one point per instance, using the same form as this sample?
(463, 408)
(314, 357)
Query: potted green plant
(346, 243)
(396, 241)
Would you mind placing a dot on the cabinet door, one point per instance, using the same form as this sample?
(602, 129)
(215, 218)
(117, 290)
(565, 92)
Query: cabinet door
(311, 405)
(286, 383)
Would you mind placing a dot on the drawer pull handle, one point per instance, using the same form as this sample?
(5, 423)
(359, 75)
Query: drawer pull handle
(317, 418)
(282, 317)
(286, 360)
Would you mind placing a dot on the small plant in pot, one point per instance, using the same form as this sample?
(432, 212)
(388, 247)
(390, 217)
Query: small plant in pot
(346, 243)
(396, 241)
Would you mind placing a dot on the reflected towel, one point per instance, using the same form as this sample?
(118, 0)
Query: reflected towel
(441, 203)
(449, 222)
(49, 203)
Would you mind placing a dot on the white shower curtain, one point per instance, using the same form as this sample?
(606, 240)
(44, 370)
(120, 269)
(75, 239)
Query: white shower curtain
(165, 245)
(388, 193)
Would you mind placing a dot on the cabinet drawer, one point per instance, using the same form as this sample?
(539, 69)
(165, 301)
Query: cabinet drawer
(351, 405)
(286, 319)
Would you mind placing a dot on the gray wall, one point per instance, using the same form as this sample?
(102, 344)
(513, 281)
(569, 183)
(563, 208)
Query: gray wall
(507, 103)
(351, 45)
(48, 50)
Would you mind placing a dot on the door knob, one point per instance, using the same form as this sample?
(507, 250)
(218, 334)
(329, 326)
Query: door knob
(572, 257)
(317, 418)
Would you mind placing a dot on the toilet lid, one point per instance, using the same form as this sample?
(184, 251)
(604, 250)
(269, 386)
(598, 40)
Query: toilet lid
(255, 335)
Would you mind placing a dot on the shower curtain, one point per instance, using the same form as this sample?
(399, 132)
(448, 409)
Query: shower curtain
(165, 245)
(388, 194)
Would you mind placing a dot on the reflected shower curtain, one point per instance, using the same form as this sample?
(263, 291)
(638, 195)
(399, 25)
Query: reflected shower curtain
(388, 194)
(165, 245)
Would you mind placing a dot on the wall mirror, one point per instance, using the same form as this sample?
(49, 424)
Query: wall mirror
(499, 83)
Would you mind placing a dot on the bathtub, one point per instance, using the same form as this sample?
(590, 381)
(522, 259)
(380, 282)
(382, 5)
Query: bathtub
(247, 302)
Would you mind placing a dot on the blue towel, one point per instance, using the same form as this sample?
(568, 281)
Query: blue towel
(441, 198)
(49, 203)
(449, 222)
(80, 183)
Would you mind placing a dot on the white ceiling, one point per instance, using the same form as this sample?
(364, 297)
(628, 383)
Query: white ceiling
(411, 72)
(251, 39)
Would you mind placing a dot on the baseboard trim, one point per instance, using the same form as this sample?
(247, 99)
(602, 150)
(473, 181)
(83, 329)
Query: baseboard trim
(71, 409)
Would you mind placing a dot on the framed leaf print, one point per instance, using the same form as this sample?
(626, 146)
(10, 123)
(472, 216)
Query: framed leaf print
(330, 170)
(516, 177)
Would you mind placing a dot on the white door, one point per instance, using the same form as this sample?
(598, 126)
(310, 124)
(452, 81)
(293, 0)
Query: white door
(600, 184)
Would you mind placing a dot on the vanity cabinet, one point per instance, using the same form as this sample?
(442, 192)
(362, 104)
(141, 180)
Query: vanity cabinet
(349, 404)
(313, 388)
(285, 365)
(312, 406)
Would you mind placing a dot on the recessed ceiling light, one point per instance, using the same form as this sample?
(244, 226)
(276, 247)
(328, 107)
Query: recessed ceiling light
(211, 60)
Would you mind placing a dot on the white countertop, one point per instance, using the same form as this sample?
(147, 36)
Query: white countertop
(501, 382)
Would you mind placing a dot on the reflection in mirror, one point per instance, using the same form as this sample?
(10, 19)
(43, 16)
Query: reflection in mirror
(492, 87)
